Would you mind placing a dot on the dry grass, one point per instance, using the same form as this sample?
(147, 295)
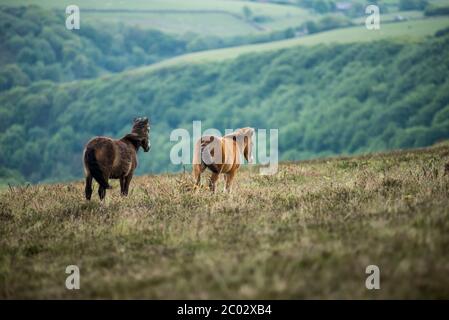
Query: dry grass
(308, 232)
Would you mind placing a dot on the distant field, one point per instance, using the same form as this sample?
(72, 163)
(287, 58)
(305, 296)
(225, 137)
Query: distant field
(403, 31)
(394, 4)
(221, 24)
(308, 232)
(207, 17)
(393, 16)
(224, 18)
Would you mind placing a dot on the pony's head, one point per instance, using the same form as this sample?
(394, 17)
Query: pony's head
(141, 126)
(245, 137)
(248, 150)
(146, 144)
(140, 133)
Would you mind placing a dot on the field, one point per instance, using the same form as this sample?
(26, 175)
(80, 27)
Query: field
(308, 232)
(407, 31)
(392, 17)
(218, 23)
(219, 18)
(205, 17)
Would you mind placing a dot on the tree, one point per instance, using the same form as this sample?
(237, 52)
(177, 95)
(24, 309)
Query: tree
(247, 13)
(412, 4)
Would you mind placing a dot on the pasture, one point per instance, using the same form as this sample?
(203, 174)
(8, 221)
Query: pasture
(218, 18)
(408, 31)
(204, 17)
(308, 232)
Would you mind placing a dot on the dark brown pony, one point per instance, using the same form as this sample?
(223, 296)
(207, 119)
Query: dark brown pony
(106, 158)
(222, 155)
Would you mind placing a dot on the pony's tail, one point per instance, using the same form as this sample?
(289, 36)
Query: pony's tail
(92, 165)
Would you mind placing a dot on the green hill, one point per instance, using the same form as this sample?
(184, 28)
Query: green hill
(409, 31)
(340, 201)
(205, 17)
(308, 232)
(35, 45)
(324, 99)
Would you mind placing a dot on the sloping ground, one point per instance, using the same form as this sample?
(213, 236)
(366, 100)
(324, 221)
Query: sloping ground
(308, 232)
(404, 32)
(206, 23)
(206, 17)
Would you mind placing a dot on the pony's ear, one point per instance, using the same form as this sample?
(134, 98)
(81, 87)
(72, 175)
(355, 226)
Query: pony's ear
(246, 131)
(250, 131)
(144, 120)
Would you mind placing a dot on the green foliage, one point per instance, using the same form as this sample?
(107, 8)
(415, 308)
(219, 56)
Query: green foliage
(354, 8)
(320, 6)
(247, 13)
(436, 10)
(327, 22)
(412, 4)
(37, 46)
(325, 100)
(10, 177)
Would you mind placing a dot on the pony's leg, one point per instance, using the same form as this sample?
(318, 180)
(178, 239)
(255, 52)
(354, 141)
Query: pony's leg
(196, 170)
(229, 177)
(128, 179)
(213, 181)
(226, 178)
(88, 189)
(197, 164)
(122, 185)
(101, 192)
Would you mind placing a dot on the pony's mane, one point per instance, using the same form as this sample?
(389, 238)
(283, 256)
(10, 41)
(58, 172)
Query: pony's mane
(241, 132)
(242, 137)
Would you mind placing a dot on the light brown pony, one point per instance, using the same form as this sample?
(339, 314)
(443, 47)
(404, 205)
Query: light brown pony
(222, 155)
(106, 158)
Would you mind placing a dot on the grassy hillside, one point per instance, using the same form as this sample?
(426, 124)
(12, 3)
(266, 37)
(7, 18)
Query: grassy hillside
(409, 31)
(226, 18)
(206, 17)
(308, 232)
(35, 45)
